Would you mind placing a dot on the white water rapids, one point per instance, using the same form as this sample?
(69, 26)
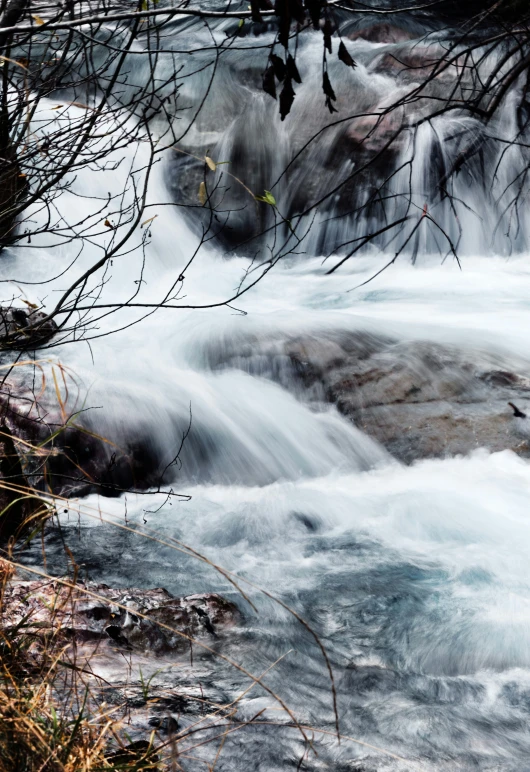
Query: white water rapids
(417, 579)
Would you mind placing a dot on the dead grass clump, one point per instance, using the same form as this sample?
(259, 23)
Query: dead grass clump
(48, 719)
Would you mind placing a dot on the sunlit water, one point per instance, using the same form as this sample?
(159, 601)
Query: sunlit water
(416, 579)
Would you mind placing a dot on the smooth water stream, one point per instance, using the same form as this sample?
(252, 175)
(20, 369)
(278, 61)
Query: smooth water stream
(417, 579)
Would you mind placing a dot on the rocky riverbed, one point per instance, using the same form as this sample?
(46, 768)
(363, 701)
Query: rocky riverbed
(146, 656)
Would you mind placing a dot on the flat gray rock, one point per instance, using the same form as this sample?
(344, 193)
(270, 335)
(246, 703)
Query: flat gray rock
(419, 400)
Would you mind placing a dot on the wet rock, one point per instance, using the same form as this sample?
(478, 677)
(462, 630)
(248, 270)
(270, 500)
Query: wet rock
(152, 678)
(137, 755)
(419, 400)
(382, 33)
(46, 443)
(46, 439)
(372, 133)
(16, 510)
(18, 324)
(253, 158)
(150, 621)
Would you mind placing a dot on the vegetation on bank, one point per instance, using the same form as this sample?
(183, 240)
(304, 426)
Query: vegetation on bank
(49, 721)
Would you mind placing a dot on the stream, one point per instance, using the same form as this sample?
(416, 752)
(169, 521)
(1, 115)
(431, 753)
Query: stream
(415, 578)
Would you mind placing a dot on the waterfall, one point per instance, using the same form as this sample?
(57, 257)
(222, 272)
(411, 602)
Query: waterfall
(416, 578)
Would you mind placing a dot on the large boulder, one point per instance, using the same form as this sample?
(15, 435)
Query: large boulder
(418, 399)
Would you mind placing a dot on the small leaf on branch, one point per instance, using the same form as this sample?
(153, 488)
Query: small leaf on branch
(327, 30)
(327, 87)
(38, 20)
(146, 222)
(345, 57)
(108, 224)
(292, 70)
(241, 22)
(269, 84)
(268, 198)
(278, 66)
(328, 91)
(329, 105)
(286, 98)
(202, 193)
(19, 62)
(211, 164)
(30, 305)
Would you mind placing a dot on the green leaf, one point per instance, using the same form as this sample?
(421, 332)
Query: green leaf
(268, 198)
(241, 22)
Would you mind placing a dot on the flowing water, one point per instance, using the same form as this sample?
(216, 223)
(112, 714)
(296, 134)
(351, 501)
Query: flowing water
(417, 578)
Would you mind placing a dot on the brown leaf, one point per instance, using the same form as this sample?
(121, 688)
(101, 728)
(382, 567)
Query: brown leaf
(286, 98)
(329, 105)
(327, 30)
(345, 57)
(278, 66)
(327, 87)
(269, 84)
(202, 193)
(108, 224)
(292, 70)
(284, 28)
(211, 164)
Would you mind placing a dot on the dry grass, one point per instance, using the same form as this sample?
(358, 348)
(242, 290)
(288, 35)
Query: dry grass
(49, 721)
